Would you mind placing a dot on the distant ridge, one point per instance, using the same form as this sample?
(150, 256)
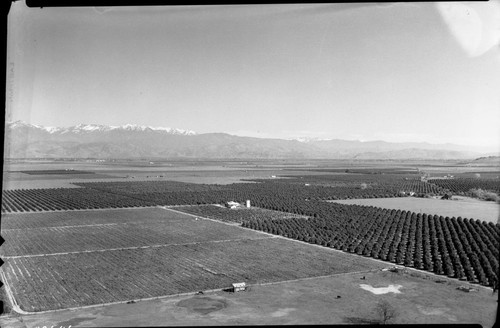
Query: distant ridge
(24, 140)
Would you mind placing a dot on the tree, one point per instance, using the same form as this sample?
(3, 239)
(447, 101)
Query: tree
(385, 311)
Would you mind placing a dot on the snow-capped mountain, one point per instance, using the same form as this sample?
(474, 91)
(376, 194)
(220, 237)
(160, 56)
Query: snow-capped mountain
(135, 127)
(24, 140)
(308, 139)
(86, 128)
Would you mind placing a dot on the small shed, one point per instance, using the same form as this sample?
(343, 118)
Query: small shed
(248, 203)
(239, 286)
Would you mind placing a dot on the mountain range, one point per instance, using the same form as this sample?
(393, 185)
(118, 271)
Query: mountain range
(24, 140)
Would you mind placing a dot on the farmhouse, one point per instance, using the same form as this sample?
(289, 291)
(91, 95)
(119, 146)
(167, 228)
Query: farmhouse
(232, 204)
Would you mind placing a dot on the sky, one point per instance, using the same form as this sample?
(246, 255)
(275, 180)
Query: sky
(400, 72)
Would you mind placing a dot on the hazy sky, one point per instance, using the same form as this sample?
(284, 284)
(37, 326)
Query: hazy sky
(398, 72)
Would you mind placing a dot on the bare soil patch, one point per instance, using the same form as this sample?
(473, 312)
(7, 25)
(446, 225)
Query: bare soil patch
(382, 290)
(203, 304)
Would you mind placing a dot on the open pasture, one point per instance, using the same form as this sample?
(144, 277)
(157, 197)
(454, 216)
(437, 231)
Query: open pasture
(469, 208)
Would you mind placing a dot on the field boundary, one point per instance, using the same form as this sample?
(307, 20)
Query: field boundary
(311, 278)
(134, 247)
(12, 299)
(73, 226)
(233, 224)
(81, 209)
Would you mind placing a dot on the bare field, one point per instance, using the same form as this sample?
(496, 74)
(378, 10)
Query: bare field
(466, 208)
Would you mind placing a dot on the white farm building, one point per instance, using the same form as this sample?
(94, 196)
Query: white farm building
(232, 204)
